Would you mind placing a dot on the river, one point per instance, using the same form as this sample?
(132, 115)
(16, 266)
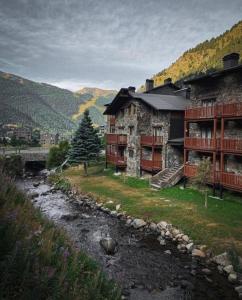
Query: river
(140, 266)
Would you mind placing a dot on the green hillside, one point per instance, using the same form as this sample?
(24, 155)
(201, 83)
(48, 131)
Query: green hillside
(45, 106)
(204, 57)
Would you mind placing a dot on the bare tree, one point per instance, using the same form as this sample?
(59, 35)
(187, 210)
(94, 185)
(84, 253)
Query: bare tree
(202, 177)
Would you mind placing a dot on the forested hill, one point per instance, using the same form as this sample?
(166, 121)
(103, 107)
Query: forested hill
(204, 57)
(45, 106)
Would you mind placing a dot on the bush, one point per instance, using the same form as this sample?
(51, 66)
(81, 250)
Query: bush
(57, 155)
(37, 259)
(12, 165)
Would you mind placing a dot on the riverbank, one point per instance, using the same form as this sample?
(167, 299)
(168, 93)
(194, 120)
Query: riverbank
(38, 260)
(142, 267)
(219, 226)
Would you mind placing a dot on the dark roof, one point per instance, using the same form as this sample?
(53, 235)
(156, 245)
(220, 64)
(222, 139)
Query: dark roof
(162, 102)
(214, 74)
(169, 84)
(156, 101)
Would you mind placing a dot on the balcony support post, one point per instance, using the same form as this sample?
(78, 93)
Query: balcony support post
(152, 159)
(222, 134)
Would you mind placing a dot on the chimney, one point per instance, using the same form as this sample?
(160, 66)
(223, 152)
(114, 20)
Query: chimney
(131, 89)
(149, 84)
(231, 60)
(167, 80)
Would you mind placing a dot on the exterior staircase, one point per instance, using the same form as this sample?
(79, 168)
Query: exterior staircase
(167, 177)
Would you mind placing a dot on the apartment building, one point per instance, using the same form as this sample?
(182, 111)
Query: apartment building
(145, 130)
(213, 124)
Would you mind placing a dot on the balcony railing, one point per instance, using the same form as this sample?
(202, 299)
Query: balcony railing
(119, 139)
(216, 110)
(202, 112)
(149, 140)
(191, 171)
(231, 180)
(230, 109)
(231, 145)
(117, 159)
(150, 165)
(201, 143)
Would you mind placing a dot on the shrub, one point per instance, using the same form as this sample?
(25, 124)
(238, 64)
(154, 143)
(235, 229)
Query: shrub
(57, 155)
(12, 165)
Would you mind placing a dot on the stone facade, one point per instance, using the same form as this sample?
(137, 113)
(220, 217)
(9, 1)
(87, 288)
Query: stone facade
(135, 119)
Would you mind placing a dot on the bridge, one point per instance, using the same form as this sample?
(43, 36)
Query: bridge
(34, 154)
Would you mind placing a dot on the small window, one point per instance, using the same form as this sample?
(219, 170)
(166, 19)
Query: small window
(131, 130)
(112, 129)
(131, 153)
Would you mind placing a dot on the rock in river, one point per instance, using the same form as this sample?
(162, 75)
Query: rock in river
(109, 245)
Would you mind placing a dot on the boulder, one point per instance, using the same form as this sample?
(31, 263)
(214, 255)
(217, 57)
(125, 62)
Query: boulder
(232, 277)
(197, 252)
(222, 259)
(228, 269)
(189, 246)
(185, 238)
(109, 245)
(118, 206)
(138, 223)
(161, 240)
(153, 227)
(162, 225)
(113, 213)
(36, 184)
(167, 252)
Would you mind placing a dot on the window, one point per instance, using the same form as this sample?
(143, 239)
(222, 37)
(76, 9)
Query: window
(208, 102)
(131, 130)
(206, 133)
(157, 131)
(131, 153)
(121, 112)
(112, 129)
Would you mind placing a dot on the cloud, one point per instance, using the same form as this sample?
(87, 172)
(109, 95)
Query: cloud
(102, 42)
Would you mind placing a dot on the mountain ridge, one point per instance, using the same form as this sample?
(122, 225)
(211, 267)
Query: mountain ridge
(204, 57)
(45, 106)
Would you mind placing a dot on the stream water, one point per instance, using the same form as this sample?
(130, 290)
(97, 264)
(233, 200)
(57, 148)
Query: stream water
(140, 266)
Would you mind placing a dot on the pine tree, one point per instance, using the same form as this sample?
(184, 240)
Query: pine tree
(86, 145)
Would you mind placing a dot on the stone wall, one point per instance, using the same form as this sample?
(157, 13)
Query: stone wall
(226, 88)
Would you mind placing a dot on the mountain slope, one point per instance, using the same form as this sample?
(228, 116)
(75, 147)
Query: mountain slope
(45, 106)
(204, 57)
(95, 104)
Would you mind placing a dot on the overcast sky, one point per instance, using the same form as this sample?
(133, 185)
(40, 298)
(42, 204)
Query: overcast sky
(105, 43)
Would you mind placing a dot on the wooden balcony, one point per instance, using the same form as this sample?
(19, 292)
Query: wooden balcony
(149, 140)
(151, 165)
(116, 139)
(201, 112)
(117, 160)
(191, 171)
(230, 109)
(231, 145)
(231, 180)
(201, 143)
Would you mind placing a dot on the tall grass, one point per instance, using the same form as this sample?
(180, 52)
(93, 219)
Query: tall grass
(37, 261)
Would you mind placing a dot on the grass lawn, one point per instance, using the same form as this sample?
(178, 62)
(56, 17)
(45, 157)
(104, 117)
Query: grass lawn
(219, 226)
